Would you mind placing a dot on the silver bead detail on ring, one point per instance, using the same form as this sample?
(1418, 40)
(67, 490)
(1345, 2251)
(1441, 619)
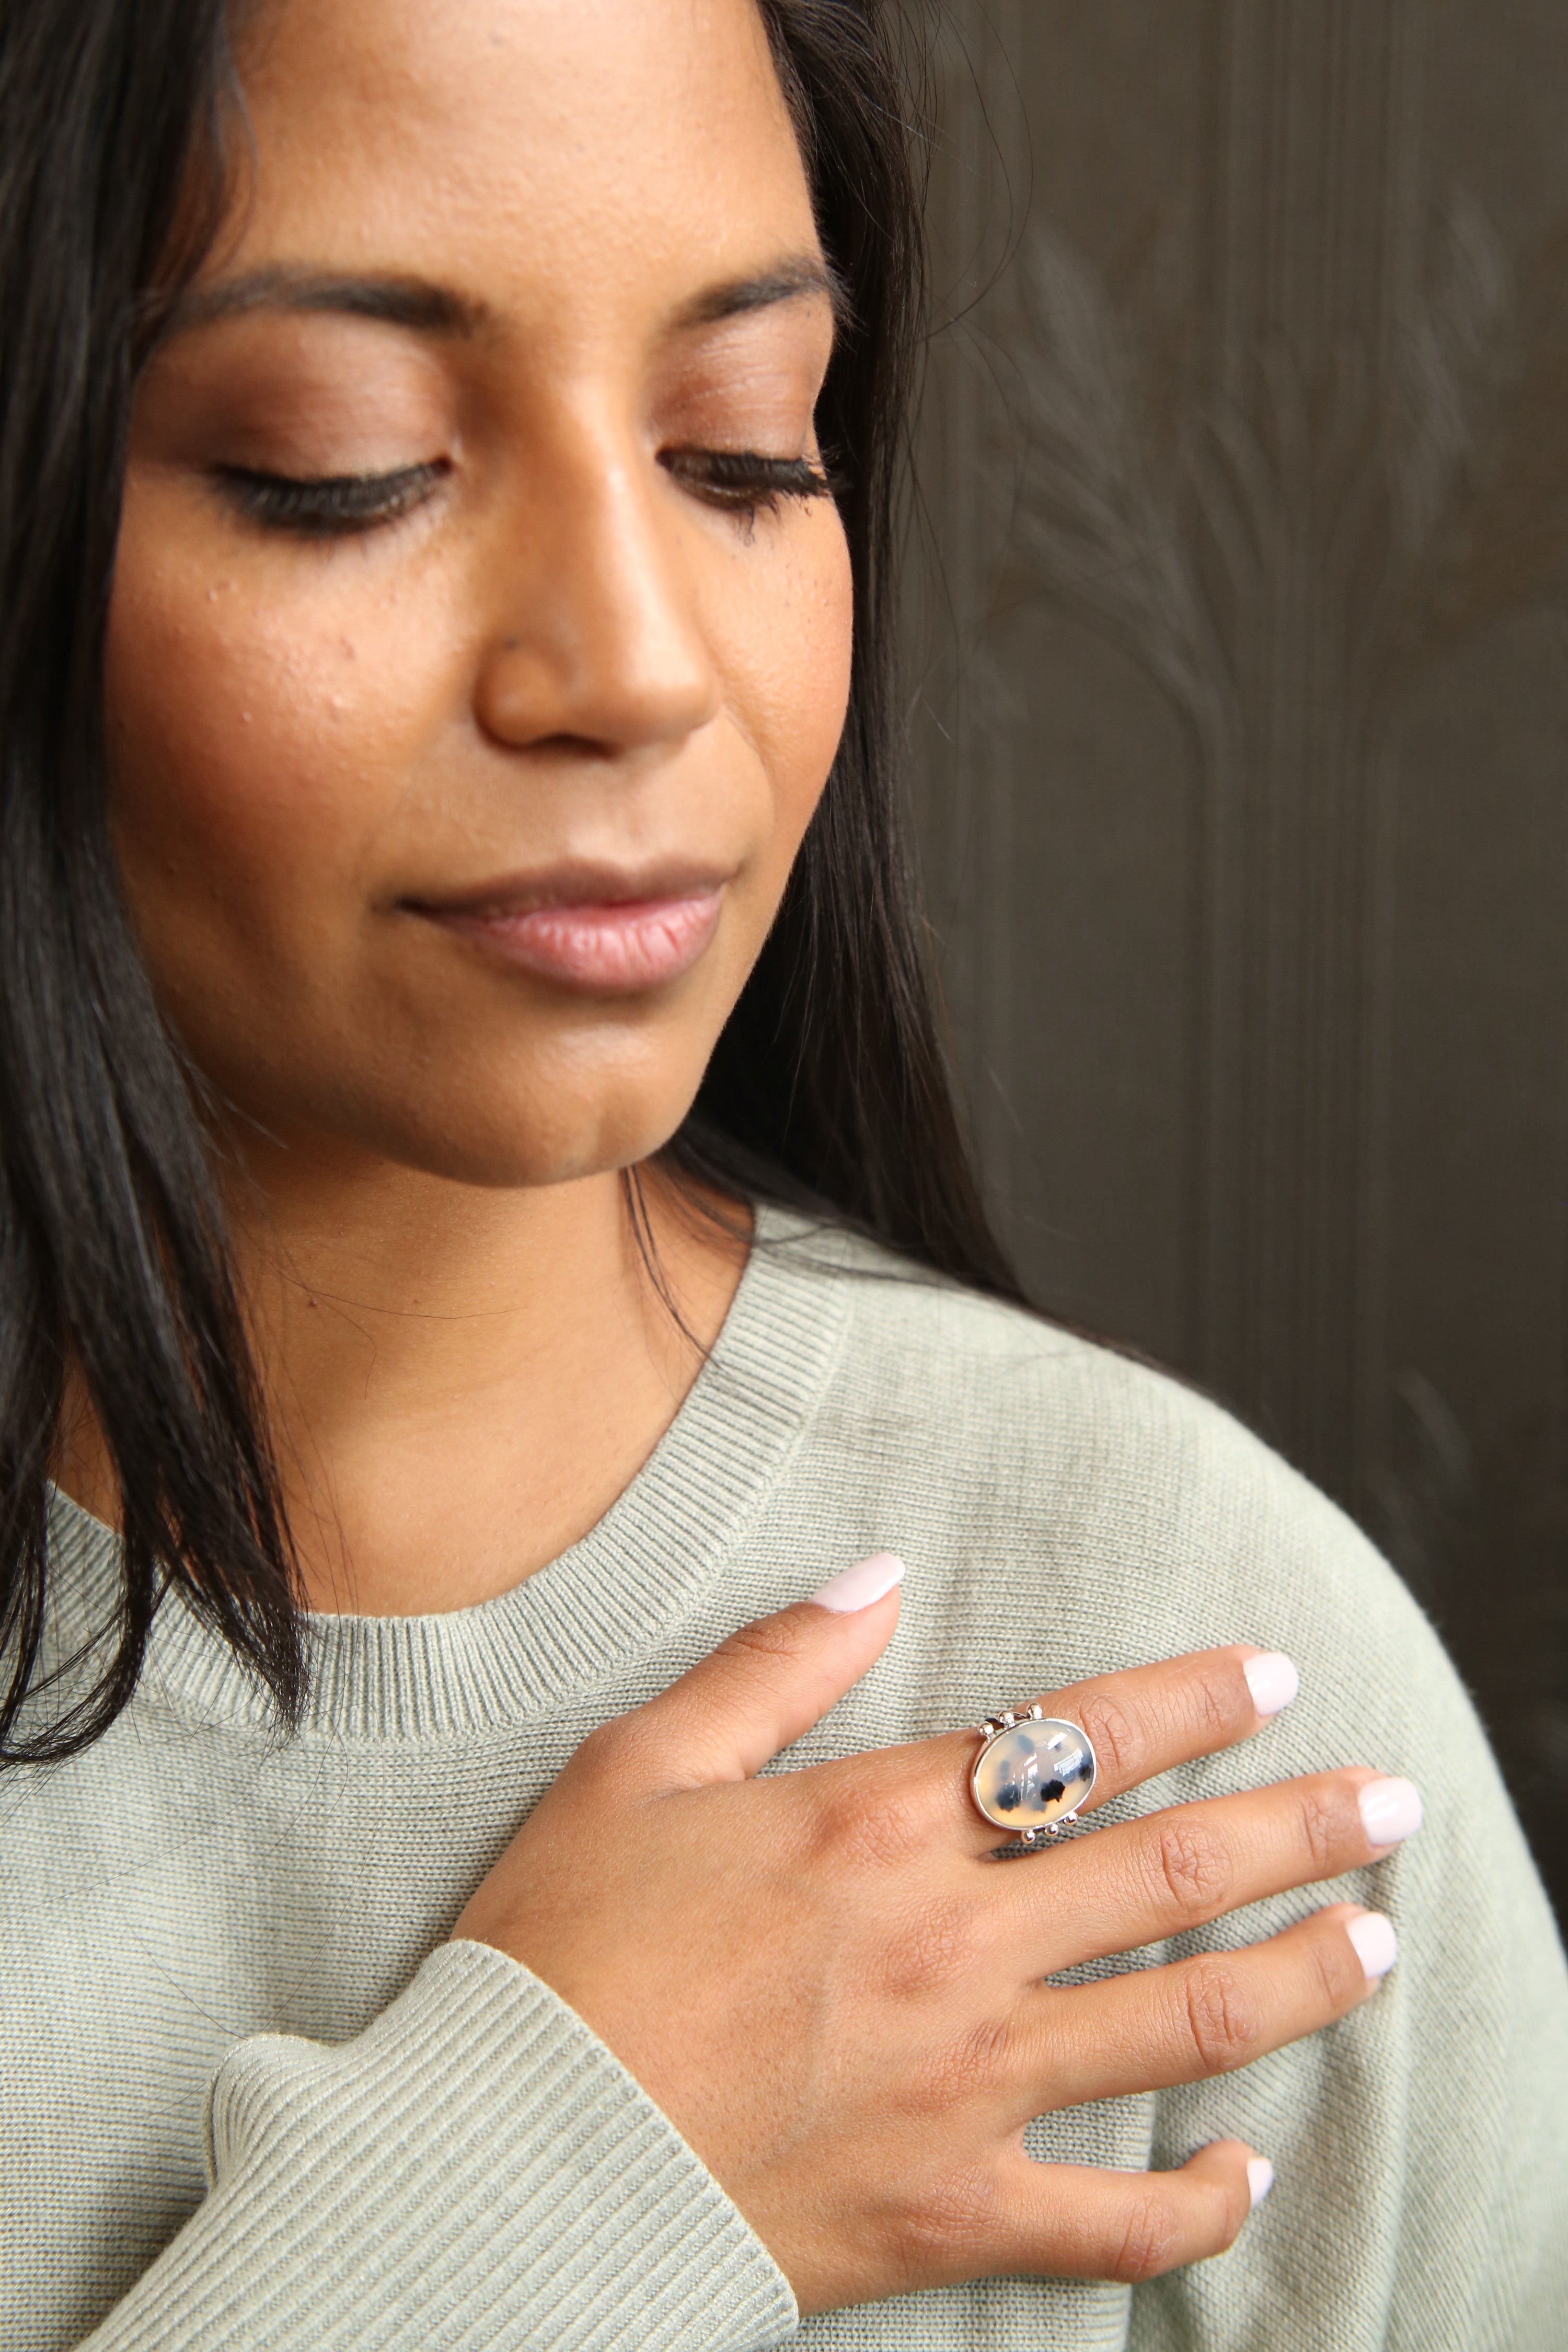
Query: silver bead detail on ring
(1032, 1773)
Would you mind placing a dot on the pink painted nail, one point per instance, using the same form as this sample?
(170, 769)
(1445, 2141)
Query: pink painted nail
(1259, 2178)
(1273, 1681)
(857, 1587)
(1377, 1946)
(1390, 1810)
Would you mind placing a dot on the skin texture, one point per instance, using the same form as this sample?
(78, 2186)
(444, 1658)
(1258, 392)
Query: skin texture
(564, 651)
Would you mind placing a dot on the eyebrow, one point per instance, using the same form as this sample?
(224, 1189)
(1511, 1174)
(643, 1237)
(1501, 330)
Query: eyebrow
(413, 302)
(426, 307)
(799, 277)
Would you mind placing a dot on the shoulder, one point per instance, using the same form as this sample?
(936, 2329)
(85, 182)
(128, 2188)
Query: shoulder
(1138, 1501)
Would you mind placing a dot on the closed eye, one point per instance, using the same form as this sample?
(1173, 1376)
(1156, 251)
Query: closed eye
(741, 482)
(744, 482)
(328, 506)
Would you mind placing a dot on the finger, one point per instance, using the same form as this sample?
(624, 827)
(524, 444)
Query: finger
(1142, 1722)
(1071, 2220)
(1142, 1881)
(765, 1685)
(1196, 2019)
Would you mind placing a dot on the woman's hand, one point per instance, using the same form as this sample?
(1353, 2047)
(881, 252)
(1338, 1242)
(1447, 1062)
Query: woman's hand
(834, 1990)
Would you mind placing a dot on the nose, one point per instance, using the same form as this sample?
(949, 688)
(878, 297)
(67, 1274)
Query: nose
(596, 639)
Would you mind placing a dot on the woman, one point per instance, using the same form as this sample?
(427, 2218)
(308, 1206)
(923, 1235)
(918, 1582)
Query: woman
(485, 1237)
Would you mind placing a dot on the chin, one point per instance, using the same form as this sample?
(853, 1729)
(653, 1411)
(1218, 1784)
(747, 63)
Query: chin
(514, 1147)
(463, 1103)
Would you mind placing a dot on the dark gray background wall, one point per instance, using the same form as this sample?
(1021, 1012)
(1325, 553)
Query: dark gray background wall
(1240, 647)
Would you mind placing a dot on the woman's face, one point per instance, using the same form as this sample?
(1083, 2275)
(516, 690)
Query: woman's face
(470, 683)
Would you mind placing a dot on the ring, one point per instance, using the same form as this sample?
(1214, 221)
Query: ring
(1032, 1773)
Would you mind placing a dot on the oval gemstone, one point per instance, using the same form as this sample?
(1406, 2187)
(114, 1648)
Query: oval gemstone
(1028, 1778)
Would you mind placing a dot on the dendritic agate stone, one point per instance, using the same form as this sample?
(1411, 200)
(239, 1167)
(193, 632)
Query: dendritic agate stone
(1029, 1777)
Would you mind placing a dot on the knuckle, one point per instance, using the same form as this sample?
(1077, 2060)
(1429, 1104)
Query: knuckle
(982, 2057)
(606, 1746)
(855, 1835)
(1120, 1746)
(1150, 2242)
(1221, 2017)
(1192, 1869)
(949, 2232)
(1214, 1702)
(765, 1643)
(1321, 1829)
(1200, 1709)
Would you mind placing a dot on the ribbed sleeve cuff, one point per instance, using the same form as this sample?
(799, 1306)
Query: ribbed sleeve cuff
(475, 2172)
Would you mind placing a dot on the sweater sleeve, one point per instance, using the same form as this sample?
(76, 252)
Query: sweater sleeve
(474, 2170)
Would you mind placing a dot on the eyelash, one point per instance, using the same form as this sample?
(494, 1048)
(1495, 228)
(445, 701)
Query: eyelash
(334, 505)
(338, 506)
(743, 483)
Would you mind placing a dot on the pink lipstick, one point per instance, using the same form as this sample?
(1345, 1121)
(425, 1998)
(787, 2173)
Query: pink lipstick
(610, 942)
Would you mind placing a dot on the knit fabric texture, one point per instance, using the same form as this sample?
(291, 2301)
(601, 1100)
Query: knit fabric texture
(254, 2097)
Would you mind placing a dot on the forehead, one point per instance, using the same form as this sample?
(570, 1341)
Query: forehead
(529, 150)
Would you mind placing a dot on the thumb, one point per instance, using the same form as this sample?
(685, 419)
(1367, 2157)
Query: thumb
(772, 1680)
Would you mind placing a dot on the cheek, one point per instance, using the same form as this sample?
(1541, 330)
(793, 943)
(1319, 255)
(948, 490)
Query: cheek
(251, 740)
(787, 652)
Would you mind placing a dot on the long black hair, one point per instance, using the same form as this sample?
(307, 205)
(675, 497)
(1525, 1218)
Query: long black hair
(828, 1088)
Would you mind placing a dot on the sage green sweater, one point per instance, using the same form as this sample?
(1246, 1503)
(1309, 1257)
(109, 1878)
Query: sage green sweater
(252, 2096)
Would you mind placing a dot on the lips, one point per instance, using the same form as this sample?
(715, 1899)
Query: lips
(602, 935)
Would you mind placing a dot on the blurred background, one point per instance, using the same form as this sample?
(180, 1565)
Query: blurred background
(1240, 664)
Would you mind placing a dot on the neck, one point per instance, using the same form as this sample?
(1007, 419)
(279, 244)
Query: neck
(459, 1381)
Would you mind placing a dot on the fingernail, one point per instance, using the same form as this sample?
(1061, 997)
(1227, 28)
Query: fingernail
(1260, 2171)
(1377, 1946)
(1390, 1810)
(857, 1587)
(1273, 1681)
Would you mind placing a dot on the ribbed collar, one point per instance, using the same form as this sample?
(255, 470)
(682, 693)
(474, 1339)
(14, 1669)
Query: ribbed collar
(644, 1565)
